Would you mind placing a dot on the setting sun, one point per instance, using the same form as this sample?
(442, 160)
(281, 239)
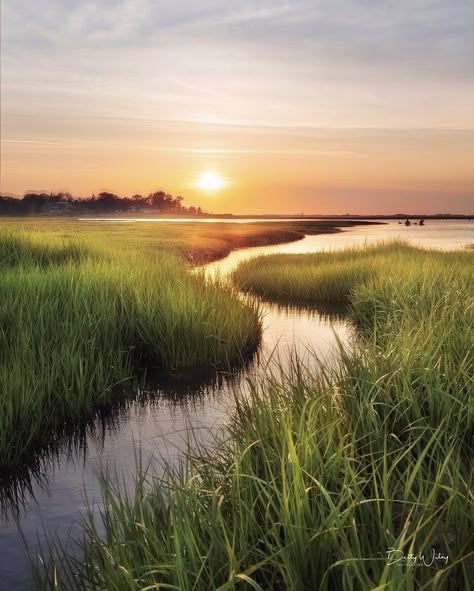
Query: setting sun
(210, 180)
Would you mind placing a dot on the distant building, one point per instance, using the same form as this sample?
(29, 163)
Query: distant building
(143, 209)
(57, 207)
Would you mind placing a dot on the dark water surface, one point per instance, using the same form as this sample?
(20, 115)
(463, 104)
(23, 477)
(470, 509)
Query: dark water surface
(159, 416)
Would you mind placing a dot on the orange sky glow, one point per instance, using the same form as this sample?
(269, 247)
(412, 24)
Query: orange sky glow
(313, 107)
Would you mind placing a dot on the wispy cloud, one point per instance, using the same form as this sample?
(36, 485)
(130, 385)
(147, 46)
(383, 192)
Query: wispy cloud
(83, 71)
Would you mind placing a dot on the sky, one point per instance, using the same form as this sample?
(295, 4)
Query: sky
(335, 106)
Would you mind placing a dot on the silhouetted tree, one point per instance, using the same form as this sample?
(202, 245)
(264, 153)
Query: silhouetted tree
(104, 202)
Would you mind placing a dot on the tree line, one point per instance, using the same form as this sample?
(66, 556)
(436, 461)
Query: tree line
(37, 203)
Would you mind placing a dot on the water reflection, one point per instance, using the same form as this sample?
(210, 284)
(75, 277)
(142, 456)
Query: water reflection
(325, 311)
(182, 392)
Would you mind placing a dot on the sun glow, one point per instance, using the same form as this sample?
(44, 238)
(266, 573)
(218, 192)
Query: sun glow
(210, 180)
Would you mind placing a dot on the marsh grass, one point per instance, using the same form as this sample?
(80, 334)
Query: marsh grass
(196, 242)
(77, 317)
(321, 473)
(415, 307)
(295, 498)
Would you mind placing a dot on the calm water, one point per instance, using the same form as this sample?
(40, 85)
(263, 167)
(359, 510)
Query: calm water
(158, 418)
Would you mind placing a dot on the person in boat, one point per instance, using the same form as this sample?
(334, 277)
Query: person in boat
(421, 222)
(407, 222)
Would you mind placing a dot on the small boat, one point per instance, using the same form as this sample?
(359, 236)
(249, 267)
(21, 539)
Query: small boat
(407, 222)
(421, 222)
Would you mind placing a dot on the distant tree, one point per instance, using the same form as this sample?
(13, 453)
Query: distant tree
(107, 202)
(158, 200)
(10, 206)
(61, 196)
(104, 202)
(34, 202)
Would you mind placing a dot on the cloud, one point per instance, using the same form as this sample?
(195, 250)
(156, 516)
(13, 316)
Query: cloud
(73, 68)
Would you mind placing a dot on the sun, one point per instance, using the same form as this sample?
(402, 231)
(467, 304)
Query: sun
(210, 180)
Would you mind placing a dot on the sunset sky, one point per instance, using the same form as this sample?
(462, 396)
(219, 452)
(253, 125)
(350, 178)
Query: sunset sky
(311, 106)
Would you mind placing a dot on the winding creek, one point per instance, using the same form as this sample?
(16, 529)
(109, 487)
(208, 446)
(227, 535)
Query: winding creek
(159, 418)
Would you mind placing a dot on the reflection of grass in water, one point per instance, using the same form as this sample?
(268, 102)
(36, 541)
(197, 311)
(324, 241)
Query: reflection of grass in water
(332, 312)
(321, 474)
(180, 390)
(75, 316)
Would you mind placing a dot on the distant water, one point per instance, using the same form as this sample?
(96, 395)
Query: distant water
(439, 234)
(209, 220)
(442, 235)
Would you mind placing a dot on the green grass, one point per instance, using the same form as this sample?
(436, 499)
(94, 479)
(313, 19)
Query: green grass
(416, 305)
(197, 242)
(321, 474)
(325, 276)
(77, 315)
